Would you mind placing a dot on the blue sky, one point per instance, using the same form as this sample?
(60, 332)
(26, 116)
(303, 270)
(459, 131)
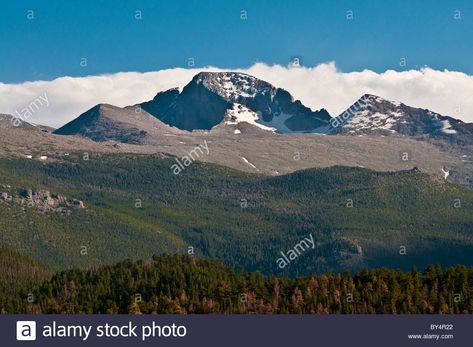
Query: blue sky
(107, 34)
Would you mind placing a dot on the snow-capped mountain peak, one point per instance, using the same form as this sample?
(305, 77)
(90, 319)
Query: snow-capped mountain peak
(372, 114)
(212, 98)
(234, 85)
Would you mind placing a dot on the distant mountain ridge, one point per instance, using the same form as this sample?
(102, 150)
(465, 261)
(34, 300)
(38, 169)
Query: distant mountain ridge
(105, 122)
(215, 100)
(373, 115)
(10, 121)
(7, 121)
(242, 118)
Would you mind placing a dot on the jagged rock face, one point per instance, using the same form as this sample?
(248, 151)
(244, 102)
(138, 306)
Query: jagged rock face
(162, 103)
(195, 108)
(374, 115)
(215, 97)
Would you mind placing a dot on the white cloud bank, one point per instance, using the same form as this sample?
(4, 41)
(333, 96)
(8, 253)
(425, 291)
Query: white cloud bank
(446, 92)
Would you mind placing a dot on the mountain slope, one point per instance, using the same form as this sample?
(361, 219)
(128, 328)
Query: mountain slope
(8, 121)
(18, 276)
(215, 97)
(137, 207)
(374, 115)
(107, 122)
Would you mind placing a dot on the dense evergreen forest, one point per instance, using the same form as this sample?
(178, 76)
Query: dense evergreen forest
(135, 207)
(186, 284)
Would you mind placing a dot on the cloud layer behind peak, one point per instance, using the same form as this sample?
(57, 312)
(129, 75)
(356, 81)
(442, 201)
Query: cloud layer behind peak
(446, 92)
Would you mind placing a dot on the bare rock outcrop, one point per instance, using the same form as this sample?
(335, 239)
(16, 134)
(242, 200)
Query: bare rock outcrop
(41, 200)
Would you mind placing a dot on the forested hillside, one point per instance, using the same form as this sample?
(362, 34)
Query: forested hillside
(134, 207)
(19, 276)
(184, 284)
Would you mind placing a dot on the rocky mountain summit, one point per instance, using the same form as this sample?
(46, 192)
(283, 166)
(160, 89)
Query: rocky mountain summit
(231, 97)
(373, 115)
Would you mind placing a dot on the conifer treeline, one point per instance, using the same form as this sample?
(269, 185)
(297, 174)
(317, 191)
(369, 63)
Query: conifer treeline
(183, 284)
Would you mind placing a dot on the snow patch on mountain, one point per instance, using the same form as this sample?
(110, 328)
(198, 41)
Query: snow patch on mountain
(240, 113)
(279, 123)
(250, 164)
(447, 127)
(376, 121)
